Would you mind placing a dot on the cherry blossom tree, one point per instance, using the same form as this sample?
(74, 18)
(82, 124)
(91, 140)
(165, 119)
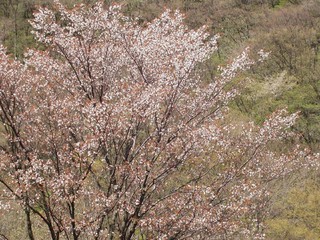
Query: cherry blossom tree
(112, 132)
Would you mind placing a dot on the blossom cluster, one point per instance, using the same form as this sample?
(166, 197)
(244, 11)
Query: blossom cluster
(111, 132)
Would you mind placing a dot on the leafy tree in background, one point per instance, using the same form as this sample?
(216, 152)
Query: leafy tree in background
(296, 216)
(290, 77)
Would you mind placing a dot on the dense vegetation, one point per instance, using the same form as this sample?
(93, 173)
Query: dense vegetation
(290, 77)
